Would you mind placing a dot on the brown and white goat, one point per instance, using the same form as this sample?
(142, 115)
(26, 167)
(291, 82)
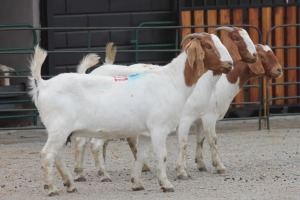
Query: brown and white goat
(239, 44)
(112, 70)
(245, 50)
(224, 92)
(146, 106)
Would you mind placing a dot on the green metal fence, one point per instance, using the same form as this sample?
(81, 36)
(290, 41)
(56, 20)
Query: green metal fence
(13, 97)
(271, 85)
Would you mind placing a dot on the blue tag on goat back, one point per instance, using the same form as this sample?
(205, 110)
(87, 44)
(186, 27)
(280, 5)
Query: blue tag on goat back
(135, 76)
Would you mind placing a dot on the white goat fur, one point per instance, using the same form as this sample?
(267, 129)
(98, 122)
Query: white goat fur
(195, 106)
(214, 110)
(204, 85)
(98, 146)
(98, 106)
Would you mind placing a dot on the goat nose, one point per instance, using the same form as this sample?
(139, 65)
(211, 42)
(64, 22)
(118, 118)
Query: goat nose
(279, 69)
(255, 55)
(230, 63)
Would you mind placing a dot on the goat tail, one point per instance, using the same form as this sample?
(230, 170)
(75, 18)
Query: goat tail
(110, 53)
(88, 61)
(35, 67)
(37, 62)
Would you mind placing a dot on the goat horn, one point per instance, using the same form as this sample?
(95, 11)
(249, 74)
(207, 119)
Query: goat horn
(194, 35)
(226, 28)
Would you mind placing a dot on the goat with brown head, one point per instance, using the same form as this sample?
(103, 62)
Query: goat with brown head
(203, 52)
(239, 44)
(266, 65)
(269, 61)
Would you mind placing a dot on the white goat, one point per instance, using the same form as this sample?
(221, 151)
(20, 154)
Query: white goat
(98, 106)
(98, 146)
(222, 95)
(238, 44)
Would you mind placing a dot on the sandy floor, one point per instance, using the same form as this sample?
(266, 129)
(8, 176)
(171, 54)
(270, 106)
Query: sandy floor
(260, 165)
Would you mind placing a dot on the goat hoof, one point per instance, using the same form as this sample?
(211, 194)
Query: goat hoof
(167, 189)
(78, 170)
(137, 185)
(106, 180)
(202, 169)
(221, 171)
(80, 179)
(146, 168)
(182, 177)
(51, 194)
(67, 184)
(138, 188)
(100, 173)
(72, 190)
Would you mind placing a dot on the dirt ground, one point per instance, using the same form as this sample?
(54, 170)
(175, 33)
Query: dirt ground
(260, 165)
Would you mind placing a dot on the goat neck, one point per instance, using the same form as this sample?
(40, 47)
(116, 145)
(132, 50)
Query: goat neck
(183, 82)
(199, 99)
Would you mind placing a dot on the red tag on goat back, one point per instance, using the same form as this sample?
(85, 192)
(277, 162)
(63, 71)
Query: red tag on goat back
(120, 78)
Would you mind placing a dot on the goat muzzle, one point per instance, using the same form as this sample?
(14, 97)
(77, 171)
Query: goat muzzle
(277, 72)
(226, 67)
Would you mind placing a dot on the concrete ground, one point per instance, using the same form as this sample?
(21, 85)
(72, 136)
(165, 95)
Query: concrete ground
(260, 165)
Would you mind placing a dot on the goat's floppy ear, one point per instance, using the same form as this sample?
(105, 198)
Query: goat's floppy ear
(195, 56)
(232, 48)
(257, 67)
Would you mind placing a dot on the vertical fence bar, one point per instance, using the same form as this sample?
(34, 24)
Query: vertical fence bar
(211, 16)
(224, 20)
(199, 20)
(255, 94)
(266, 25)
(298, 52)
(254, 35)
(291, 53)
(279, 41)
(238, 20)
(186, 20)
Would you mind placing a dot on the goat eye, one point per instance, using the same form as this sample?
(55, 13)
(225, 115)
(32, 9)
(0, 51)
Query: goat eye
(236, 39)
(208, 47)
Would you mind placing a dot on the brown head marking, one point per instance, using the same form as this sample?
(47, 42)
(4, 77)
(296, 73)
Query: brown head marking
(194, 65)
